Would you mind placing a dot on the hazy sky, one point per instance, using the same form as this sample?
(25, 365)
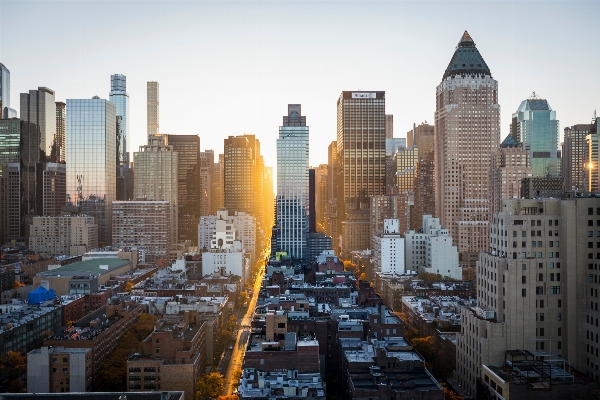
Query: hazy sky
(228, 68)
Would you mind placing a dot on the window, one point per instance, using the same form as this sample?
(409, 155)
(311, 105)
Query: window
(559, 303)
(559, 317)
(590, 211)
(541, 332)
(539, 290)
(523, 279)
(559, 332)
(523, 292)
(541, 316)
(554, 289)
(540, 277)
(523, 267)
(541, 303)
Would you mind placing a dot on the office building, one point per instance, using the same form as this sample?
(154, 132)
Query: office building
(510, 165)
(535, 287)
(591, 167)
(71, 235)
(534, 124)
(92, 160)
(391, 146)
(575, 157)
(432, 250)
(424, 193)
(405, 168)
(119, 96)
(61, 128)
(389, 126)
(59, 370)
(360, 148)
(38, 107)
(156, 178)
(421, 136)
(5, 110)
(207, 167)
(467, 129)
(321, 180)
(143, 224)
(216, 202)
(331, 221)
(152, 109)
(292, 202)
(239, 173)
(189, 196)
(54, 192)
(387, 207)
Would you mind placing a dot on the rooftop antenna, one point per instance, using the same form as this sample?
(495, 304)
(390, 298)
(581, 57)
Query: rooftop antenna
(534, 96)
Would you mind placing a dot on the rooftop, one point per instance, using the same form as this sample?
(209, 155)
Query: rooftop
(466, 60)
(89, 266)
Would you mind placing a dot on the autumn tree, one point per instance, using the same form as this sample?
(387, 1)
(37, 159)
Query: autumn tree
(450, 395)
(425, 347)
(237, 375)
(429, 277)
(128, 287)
(229, 397)
(12, 368)
(210, 386)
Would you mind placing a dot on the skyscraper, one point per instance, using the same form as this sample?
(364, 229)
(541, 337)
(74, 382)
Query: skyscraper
(189, 199)
(152, 108)
(467, 129)
(574, 160)
(38, 107)
(389, 126)
(292, 202)
(156, 178)
(534, 124)
(61, 124)
(207, 167)
(361, 147)
(239, 180)
(91, 138)
(119, 96)
(5, 110)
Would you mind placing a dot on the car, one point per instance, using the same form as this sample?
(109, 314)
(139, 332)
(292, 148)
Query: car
(230, 347)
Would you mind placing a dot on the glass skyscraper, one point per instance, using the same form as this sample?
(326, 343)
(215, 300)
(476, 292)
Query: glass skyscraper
(92, 159)
(152, 114)
(119, 96)
(292, 202)
(5, 110)
(535, 125)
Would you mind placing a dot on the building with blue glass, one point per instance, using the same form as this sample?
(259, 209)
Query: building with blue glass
(535, 125)
(119, 96)
(91, 139)
(292, 202)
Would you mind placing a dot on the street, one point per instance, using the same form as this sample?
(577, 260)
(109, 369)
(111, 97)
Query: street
(239, 349)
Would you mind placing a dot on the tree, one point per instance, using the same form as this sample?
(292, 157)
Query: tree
(425, 347)
(429, 277)
(128, 287)
(237, 375)
(12, 367)
(450, 395)
(228, 397)
(210, 386)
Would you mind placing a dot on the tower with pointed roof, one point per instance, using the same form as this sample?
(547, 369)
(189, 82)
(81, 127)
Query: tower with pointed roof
(467, 133)
(535, 125)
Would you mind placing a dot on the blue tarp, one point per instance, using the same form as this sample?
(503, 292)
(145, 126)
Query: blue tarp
(40, 295)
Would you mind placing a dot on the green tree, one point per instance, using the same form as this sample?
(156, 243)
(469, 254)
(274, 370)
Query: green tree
(210, 386)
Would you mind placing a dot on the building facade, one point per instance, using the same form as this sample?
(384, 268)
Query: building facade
(119, 96)
(388, 250)
(61, 128)
(38, 107)
(467, 129)
(152, 109)
(143, 224)
(91, 138)
(156, 166)
(534, 124)
(63, 235)
(575, 157)
(59, 370)
(292, 202)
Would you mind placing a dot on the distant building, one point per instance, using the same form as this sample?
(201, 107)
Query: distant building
(145, 225)
(92, 159)
(152, 109)
(432, 250)
(389, 126)
(240, 226)
(65, 235)
(59, 370)
(38, 107)
(61, 129)
(534, 124)
(156, 178)
(388, 250)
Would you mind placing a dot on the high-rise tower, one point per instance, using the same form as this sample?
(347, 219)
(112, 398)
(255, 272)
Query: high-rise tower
(467, 132)
(292, 208)
(38, 107)
(534, 124)
(152, 113)
(5, 110)
(61, 126)
(92, 160)
(119, 96)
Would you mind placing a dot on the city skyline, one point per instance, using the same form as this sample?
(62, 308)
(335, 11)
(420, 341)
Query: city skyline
(247, 80)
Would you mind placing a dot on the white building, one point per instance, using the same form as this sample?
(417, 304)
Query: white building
(43, 374)
(228, 228)
(231, 260)
(432, 250)
(388, 253)
(72, 235)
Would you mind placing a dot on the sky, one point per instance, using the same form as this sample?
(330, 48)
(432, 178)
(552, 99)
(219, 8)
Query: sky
(231, 67)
